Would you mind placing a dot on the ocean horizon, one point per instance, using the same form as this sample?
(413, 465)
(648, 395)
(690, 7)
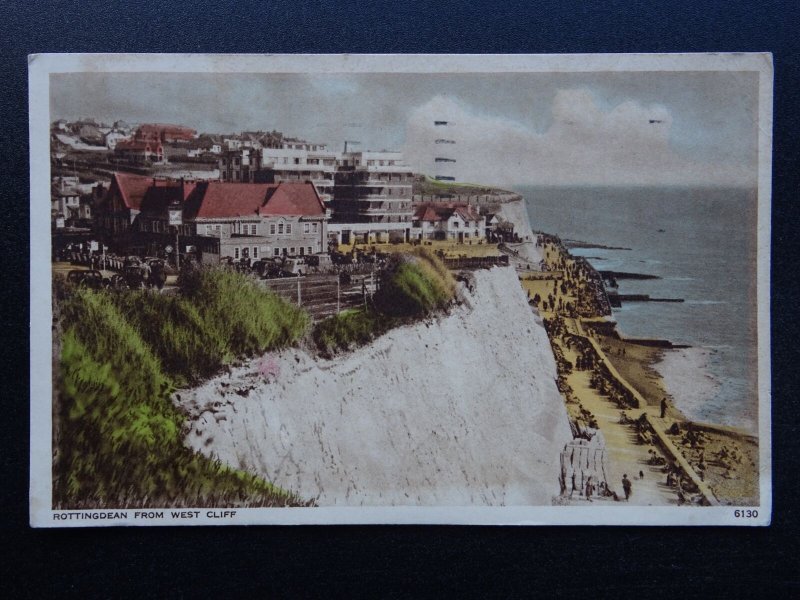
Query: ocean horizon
(701, 244)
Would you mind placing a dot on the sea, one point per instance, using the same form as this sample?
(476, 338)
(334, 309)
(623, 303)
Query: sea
(701, 243)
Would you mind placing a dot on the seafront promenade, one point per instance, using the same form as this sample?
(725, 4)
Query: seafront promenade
(570, 299)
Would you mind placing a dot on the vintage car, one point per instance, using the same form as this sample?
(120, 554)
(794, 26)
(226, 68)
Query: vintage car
(268, 268)
(87, 278)
(293, 267)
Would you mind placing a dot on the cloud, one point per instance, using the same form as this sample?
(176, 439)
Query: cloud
(583, 145)
(333, 86)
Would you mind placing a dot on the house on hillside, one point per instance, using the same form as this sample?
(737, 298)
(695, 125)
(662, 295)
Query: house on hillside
(163, 132)
(113, 137)
(451, 221)
(65, 204)
(90, 134)
(139, 151)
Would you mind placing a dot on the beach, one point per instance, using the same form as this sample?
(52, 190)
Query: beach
(617, 386)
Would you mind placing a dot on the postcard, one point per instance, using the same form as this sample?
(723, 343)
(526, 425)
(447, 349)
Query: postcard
(402, 289)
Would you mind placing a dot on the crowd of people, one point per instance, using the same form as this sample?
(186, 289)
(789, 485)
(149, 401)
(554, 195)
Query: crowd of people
(579, 281)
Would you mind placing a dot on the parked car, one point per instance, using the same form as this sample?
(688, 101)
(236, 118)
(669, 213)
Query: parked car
(91, 279)
(294, 266)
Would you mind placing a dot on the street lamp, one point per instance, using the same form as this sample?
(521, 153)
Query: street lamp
(175, 218)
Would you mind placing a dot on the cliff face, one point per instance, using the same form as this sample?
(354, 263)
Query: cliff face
(515, 210)
(458, 411)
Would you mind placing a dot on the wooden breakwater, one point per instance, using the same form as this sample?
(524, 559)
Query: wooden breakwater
(616, 299)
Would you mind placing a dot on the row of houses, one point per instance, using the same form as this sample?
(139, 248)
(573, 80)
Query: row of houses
(358, 196)
(223, 219)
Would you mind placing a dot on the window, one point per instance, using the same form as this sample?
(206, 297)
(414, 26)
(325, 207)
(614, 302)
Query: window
(156, 226)
(253, 229)
(288, 228)
(316, 227)
(272, 228)
(276, 252)
(255, 251)
(236, 253)
(280, 228)
(306, 227)
(291, 250)
(309, 250)
(302, 251)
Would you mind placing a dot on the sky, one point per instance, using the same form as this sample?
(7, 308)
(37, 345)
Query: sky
(598, 128)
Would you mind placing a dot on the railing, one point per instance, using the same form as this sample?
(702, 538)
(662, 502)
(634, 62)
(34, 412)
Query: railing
(324, 296)
(475, 262)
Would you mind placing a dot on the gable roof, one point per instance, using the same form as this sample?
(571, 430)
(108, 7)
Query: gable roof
(217, 200)
(158, 197)
(222, 200)
(426, 213)
(152, 145)
(467, 213)
(131, 188)
(295, 199)
(438, 211)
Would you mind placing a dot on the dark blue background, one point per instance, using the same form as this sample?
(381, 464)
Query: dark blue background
(397, 561)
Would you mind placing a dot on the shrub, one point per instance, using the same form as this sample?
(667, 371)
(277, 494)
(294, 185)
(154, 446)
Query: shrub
(119, 440)
(176, 332)
(414, 285)
(349, 328)
(250, 319)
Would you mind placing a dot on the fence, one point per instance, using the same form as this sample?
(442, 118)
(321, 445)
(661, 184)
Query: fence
(324, 295)
(474, 262)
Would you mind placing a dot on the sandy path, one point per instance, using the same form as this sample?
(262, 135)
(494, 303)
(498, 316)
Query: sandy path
(625, 455)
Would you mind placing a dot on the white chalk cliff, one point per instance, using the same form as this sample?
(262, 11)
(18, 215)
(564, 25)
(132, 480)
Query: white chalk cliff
(460, 410)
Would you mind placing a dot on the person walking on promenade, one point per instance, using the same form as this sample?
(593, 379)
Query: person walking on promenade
(626, 486)
(663, 407)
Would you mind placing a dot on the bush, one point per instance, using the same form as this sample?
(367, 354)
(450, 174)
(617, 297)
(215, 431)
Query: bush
(414, 285)
(349, 328)
(250, 319)
(119, 441)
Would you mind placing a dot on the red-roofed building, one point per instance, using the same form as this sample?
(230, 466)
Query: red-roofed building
(451, 221)
(236, 220)
(164, 132)
(116, 211)
(139, 151)
(256, 220)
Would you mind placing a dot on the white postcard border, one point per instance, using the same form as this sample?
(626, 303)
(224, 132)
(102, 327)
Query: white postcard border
(41, 372)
